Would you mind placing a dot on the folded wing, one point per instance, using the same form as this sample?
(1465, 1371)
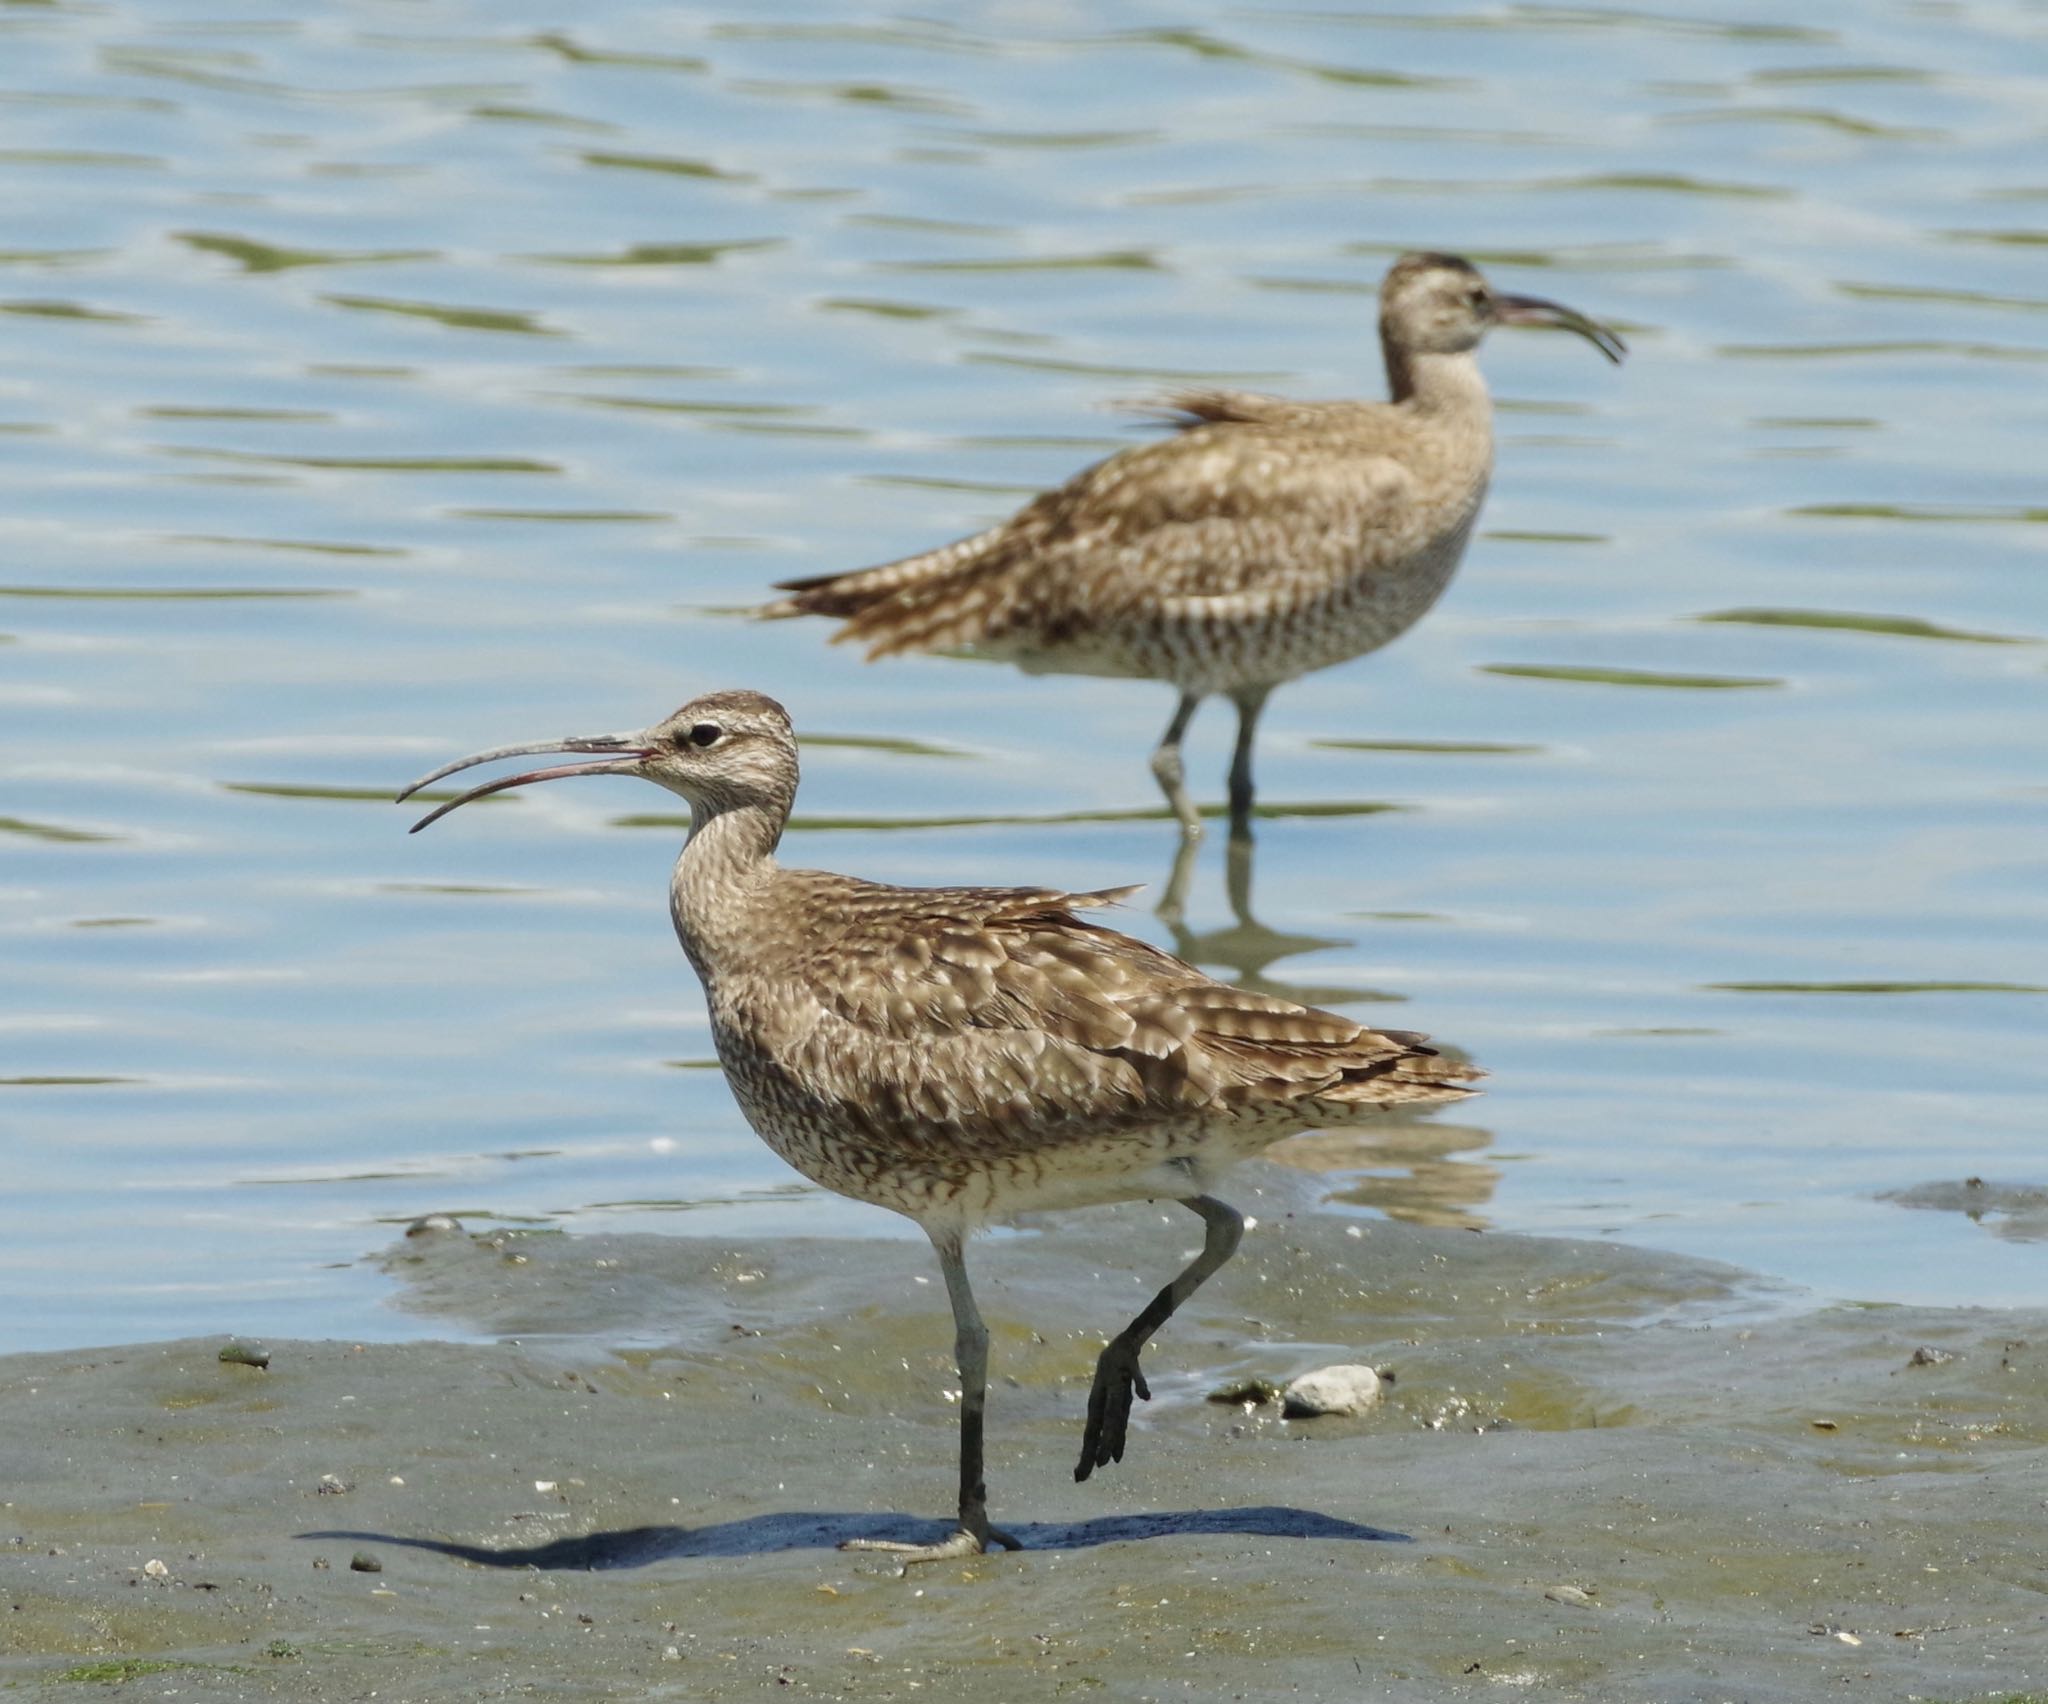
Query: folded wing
(1253, 497)
(1003, 1017)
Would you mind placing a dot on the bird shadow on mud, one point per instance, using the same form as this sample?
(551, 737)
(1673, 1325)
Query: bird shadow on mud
(764, 1535)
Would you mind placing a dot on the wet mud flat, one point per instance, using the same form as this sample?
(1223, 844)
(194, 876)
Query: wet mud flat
(1598, 1473)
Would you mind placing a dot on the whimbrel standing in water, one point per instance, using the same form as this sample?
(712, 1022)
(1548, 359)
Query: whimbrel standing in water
(1265, 539)
(964, 1054)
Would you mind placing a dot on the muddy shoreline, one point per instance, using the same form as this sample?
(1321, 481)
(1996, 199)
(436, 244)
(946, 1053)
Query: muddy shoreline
(1599, 1473)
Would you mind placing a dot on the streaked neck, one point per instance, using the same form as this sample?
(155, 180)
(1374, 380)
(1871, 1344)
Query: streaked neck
(729, 855)
(1438, 384)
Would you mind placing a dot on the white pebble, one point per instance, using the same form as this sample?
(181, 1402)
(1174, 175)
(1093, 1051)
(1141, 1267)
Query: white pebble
(1349, 1389)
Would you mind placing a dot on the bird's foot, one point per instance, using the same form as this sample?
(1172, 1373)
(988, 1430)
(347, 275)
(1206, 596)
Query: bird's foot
(963, 1541)
(1117, 1380)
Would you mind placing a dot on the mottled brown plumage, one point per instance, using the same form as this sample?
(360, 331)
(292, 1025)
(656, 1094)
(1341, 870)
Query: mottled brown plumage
(1265, 539)
(964, 1054)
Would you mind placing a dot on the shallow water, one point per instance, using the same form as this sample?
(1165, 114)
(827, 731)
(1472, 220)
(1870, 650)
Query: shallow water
(389, 381)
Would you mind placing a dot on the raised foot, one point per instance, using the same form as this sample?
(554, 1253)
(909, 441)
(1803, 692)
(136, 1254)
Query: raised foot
(962, 1542)
(1117, 1380)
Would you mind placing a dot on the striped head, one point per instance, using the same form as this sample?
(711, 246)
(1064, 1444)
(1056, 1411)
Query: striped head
(724, 751)
(1438, 304)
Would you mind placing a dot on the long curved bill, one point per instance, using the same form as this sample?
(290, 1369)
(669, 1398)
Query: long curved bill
(1535, 310)
(624, 753)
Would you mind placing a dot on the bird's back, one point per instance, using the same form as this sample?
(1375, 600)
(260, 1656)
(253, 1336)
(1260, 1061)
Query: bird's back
(987, 1050)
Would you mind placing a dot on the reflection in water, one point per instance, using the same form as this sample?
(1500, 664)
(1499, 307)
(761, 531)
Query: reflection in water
(1411, 1166)
(1411, 1170)
(1246, 945)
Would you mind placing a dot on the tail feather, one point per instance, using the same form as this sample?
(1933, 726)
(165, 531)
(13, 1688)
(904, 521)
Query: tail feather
(1322, 1065)
(1420, 1076)
(1182, 409)
(904, 595)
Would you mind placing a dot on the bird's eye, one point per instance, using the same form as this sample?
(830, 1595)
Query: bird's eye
(705, 733)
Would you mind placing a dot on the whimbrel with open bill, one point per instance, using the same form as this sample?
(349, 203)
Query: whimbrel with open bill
(1265, 539)
(964, 1054)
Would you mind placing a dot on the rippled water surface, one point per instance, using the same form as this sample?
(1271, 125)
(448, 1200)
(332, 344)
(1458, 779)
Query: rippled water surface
(384, 381)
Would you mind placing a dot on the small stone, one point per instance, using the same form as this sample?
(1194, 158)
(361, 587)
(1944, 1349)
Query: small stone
(1928, 1356)
(435, 1224)
(245, 1355)
(669, 1654)
(1347, 1389)
(157, 1569)
(333, 1485)
(362, 1562)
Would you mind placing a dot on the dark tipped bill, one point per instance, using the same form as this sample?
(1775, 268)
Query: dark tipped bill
(622, 755)
(1535, 310)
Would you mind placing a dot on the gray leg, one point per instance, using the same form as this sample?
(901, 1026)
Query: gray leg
(1166, 765)
(1117, 1377)
(1249, 703)
(970, 1355)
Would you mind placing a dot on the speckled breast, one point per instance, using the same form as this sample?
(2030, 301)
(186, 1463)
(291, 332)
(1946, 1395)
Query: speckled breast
(805, 1133)
(1218, 655)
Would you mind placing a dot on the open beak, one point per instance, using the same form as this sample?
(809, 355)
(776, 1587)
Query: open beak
(1534, 310)
(624, 753)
